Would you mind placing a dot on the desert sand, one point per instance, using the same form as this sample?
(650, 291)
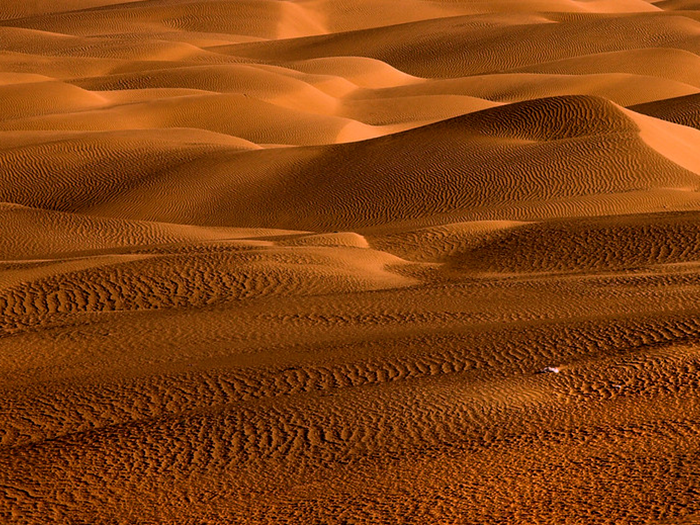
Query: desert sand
(349, 262)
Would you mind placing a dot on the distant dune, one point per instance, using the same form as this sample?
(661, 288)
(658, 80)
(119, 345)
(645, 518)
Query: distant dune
(349, 262)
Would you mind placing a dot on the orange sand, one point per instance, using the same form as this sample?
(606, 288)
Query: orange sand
(349, 262)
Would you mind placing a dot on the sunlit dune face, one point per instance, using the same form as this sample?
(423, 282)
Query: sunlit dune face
(349, 262)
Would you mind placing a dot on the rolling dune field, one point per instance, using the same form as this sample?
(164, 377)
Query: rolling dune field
(345, 262)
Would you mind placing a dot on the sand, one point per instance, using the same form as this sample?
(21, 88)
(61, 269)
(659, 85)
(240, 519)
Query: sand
(349, 262)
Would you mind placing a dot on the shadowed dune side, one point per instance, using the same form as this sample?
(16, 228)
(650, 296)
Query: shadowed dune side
(12, 140)
(624, 243)
(411, 111)
(677, 5)
(621, 88)
(459, 395)
(229, 78)
(680, 110)
(462, 46)
(27, 100)
(251, 119)
(439, 244)
(531, 152)
(67, 45)
(627, 243)
(31, 234)
(362, 71)
(68, 67)
(362, 14)
(195, 276)
(72, 169)
(668, 63)
(252, 18)
(41, 7)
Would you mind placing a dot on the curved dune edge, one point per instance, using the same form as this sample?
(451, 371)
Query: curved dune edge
(675, 142)
(485, 160)
(680, 110)
(33, 234)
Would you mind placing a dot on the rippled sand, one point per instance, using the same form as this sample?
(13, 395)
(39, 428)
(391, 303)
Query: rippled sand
(349, 262)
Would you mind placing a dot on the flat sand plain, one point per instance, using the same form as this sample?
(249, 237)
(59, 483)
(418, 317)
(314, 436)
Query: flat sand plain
(349, 262)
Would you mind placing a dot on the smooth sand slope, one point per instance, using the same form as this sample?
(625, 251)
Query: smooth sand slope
(349, 262)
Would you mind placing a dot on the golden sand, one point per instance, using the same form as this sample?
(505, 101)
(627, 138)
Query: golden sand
(349, 262)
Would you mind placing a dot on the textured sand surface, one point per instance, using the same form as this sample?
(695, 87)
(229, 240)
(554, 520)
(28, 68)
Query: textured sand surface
(349, 262)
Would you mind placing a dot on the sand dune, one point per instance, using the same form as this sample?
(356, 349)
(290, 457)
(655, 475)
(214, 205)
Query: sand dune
(413, 111)
(480, 157)
(349, 262)
(617, 87)
(641, 242)
(258, 18)
(26, 9)
(582, 146)
(677, 5)
(33, 234)
(681, 110)
(505, 43)
(667, 63)
(213, 274)
(46, 98)
(255, 120)
(217, 78)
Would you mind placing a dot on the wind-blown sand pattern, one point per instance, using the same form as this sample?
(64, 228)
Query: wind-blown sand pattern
(349, 262)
